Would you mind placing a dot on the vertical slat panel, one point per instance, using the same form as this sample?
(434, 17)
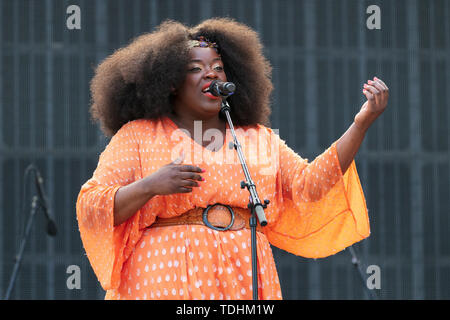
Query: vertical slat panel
(312, 117)
(434, 147)
(417, 232)
(446, 9)
(61, 166)
(362, 71)
(49, 160)
(2, 147)
(15, 79)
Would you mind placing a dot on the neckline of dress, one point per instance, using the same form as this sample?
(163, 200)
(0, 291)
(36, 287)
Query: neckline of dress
(175, 126)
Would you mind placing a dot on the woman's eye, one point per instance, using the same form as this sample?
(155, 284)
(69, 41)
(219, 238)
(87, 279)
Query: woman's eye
(197, 69)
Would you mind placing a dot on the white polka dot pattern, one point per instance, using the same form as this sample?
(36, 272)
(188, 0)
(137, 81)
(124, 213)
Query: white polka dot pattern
(180, 266)
(314, 211)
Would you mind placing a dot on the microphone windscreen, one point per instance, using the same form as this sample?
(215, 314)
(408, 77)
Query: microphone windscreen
(230, 87)
(51, 228)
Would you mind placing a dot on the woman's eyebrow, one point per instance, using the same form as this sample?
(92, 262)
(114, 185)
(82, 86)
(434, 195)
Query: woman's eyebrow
(199, 60)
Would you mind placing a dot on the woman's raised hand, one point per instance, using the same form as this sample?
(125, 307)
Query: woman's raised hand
(175, 177)
(377, 94)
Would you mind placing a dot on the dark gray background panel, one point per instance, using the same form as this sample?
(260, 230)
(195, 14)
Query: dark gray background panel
(321, 53)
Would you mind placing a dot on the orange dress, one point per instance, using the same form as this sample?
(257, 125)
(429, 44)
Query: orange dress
(314, 211)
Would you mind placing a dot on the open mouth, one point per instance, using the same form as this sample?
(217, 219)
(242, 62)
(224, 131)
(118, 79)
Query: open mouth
(206, 87)
(206, 92)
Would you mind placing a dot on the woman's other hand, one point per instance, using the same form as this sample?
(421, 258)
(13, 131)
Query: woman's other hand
(377, 94)
(175, 177)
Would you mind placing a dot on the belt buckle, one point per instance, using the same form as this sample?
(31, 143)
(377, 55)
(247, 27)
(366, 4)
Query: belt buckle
(206, 221)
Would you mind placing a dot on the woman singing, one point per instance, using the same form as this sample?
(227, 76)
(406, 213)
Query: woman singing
(140, 215)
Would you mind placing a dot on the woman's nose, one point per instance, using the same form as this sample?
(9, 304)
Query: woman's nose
(211, 74)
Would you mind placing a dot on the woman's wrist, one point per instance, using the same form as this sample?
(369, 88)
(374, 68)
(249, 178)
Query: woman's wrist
(362, 128)
(362, 121)
(148, 187)
(130, 198)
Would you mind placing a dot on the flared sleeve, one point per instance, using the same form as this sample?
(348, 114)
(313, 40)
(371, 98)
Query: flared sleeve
(322, 210)
(108, 246)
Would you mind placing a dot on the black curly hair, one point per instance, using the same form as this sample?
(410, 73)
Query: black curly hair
(137, 81)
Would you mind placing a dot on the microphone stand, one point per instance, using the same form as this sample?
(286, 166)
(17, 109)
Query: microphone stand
(18, 257)
(356, 262)
(255, 205)
(40, 200)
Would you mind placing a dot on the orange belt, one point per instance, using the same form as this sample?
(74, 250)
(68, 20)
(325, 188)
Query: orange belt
(217, 217)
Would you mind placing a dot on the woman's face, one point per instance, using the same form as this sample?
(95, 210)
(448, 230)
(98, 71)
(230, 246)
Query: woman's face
(190, 99)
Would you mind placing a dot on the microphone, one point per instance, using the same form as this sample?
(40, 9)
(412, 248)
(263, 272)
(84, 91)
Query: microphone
(221, 89)
(51, 226)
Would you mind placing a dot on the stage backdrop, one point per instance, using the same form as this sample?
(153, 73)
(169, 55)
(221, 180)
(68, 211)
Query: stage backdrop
(321, 51)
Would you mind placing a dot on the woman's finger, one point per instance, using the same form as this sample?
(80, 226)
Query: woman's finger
(382, 82)
(190, 175)
(190, 168)
(368, 95)
(189, 183)
(371, 89)
(184, 190)
(381, 95)
(377, 85)
(382, 87)
(376, 93)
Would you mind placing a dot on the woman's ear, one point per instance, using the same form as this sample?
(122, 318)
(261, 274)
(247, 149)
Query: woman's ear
(173, 91)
